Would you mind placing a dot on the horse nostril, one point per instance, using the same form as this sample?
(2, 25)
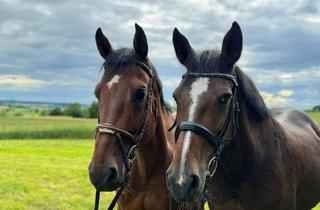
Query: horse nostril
(111, 174)
(194, 182)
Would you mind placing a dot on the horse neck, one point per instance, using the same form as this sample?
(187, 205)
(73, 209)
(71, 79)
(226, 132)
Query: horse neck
(249, 146)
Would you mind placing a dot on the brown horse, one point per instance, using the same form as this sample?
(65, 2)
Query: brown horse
(230, 146)
(132, 111)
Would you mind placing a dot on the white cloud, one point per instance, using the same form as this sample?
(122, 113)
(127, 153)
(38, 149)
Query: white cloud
(25, 82)
(269, 77)
(272, 100)
(285, 93)
(170, 82)
(280, 99)
(20, 81)
(51, 43)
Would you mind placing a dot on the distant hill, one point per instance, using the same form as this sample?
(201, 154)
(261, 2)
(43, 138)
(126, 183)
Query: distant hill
(34, 104)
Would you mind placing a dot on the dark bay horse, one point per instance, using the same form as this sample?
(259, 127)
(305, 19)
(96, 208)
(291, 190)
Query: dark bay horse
(132, 112)
(230, 147)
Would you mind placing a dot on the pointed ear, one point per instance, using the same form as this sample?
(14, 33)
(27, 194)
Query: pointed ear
(140, 43)
(232, 45)
(181, 46)
(103, 44)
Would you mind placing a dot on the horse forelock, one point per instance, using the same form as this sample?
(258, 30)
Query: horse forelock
(121, 58)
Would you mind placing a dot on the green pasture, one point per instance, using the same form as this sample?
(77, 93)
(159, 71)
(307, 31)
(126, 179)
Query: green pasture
(315, 116)
(46, 174)
(44, 165)
(46, 128)
(18, 111)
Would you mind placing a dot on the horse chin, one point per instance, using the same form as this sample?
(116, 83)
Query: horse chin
(188, 197)
(109, 187)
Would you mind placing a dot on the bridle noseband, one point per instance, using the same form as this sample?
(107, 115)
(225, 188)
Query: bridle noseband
(106, 128)
(218, 141)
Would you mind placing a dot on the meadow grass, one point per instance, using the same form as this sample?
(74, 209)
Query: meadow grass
(49, 172)
(57, 127)
(46, 174)
(46, 128)
(315, 116)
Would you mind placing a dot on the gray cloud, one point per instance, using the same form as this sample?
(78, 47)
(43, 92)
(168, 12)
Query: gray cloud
(54, 41)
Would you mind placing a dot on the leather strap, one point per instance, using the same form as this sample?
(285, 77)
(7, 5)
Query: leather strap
(198, 129)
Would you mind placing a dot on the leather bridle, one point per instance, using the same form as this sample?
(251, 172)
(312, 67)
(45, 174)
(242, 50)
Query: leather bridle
(106, 128)
(218, 141)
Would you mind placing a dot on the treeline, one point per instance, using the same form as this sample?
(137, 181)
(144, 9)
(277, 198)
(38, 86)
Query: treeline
(75, 110)
(316, 108)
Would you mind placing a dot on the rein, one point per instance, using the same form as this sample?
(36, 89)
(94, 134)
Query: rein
(106, 128)
(218, 141)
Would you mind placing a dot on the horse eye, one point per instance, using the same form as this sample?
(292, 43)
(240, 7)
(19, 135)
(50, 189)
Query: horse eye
(139, 95)
(225, 98)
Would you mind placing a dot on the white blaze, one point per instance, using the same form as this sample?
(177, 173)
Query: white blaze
(113, 81)
(198, 87)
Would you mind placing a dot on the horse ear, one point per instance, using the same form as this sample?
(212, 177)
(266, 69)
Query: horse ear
(103, 44)
(181, 46)
(140, 43)
(251, 96)
(232, 44)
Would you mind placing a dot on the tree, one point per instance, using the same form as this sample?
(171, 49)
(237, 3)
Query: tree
(57, 111)
(73, 110)
(93, 110)
(316, 108)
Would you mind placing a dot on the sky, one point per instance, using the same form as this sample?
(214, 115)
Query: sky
(48, 51)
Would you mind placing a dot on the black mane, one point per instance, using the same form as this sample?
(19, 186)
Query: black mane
(123, 57)
(210, 61)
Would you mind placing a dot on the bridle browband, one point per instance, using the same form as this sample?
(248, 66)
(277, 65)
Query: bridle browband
(106, 128)
(218, 141)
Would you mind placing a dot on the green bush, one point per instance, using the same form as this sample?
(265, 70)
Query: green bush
(74, 110)
(57, 111)
(93, 110)
(316, 108)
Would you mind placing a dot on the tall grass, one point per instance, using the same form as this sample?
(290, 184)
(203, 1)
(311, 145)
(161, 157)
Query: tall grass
(315, 116)
(46, 128)
(47, 174)
(57, 127)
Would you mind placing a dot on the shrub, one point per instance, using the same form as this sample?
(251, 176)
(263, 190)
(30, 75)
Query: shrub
(57, 111)
(316, 108)
(73, 110)
(93, 110)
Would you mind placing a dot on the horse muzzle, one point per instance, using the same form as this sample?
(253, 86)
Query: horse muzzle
(105, 178)
(184, 187)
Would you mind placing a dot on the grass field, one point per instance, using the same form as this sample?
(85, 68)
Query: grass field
(49, 170)
(315, 116)
(46, 128)
(46, 174)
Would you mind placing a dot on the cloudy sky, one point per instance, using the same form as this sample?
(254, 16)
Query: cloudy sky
(48, 52)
